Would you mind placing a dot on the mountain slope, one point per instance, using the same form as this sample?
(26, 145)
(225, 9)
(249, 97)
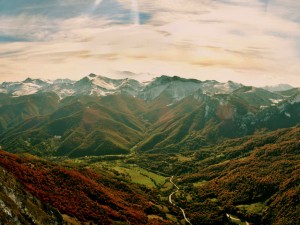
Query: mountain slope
(262, 170)
(18, 206)
(16, 110)
(105, 130)
(254, 178)
(81, 194)
(98, 115)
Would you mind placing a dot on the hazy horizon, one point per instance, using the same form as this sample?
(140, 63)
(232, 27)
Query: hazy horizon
(254, 43)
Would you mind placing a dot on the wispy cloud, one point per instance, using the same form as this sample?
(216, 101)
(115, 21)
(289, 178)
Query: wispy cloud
(206, 39)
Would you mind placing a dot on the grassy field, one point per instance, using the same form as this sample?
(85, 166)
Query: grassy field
(131, 172)
(255, 208)
(172, 218)
(182, 158)
(200, 183)
(141, 176)
(167, 186)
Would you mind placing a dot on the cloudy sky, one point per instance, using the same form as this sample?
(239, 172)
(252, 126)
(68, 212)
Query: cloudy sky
(255, 42)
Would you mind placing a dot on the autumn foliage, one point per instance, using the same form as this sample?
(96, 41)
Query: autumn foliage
(79, 194)
(262, 168)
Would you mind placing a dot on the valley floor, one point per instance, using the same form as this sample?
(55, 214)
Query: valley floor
(250, 180)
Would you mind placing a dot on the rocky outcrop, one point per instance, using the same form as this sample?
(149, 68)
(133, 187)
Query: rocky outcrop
(17, 206)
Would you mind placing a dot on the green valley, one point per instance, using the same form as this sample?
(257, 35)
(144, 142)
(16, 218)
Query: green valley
(171, 152)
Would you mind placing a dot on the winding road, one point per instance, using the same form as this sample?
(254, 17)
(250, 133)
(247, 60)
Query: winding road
(171, 202)
(182, 210)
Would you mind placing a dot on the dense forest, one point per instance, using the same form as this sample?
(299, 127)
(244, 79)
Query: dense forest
(255, 178)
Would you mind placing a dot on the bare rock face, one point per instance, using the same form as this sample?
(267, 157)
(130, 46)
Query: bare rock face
(17, 206)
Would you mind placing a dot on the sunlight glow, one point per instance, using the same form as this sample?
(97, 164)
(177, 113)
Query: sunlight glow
(135, 14)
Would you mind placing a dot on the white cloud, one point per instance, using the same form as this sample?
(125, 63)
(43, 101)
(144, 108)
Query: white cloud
(200, 38)
(27, 27)
(97, 2)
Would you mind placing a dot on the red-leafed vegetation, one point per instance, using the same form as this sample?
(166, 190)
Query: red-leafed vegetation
(83, 194)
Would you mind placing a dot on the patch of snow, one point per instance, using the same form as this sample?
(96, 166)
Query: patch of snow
(263, 107)
(222, 88)
(276, 101)
(96, 91)
(103, 84)
(287, 114)
(206, 110)
(62, 93)
(24, 92)
(67, 91)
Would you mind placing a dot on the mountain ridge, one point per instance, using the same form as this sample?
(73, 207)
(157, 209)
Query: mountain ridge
(100, 86)
(114, 115)
(201, 131)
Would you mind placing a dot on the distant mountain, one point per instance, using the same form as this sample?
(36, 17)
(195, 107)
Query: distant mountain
(98, 115)
(97, 85)
(28, 86)
(279, 87)
(175, 88)
(102, 86)
(89, 85)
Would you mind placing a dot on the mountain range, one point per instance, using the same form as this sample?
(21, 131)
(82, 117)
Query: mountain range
(97, 85)
(169, 151)
(98, 115)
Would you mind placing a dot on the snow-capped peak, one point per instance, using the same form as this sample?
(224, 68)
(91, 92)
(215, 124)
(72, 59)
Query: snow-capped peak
(279, 87)
(173, 88)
